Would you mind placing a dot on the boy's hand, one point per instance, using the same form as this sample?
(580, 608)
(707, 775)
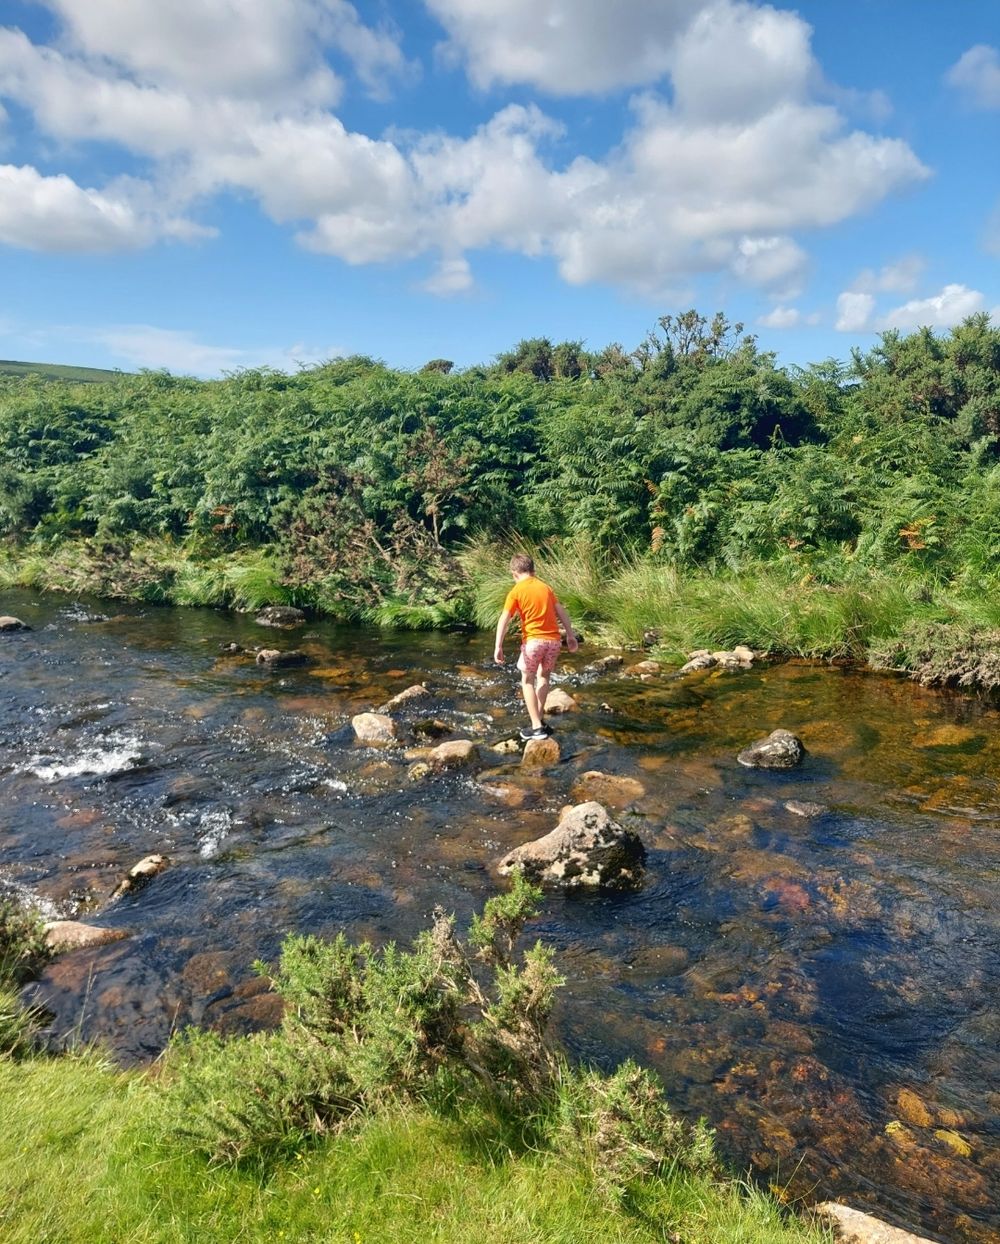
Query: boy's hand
(498, 657)
(571, 644)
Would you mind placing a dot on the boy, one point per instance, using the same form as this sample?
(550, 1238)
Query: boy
(540, 613)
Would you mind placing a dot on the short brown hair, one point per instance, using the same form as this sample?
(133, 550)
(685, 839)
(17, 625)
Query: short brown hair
(521, 563)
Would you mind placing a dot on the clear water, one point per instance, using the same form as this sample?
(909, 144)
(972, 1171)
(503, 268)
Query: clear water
(805, 983)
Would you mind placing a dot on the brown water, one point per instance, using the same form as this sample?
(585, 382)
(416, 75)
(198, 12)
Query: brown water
(824, 990)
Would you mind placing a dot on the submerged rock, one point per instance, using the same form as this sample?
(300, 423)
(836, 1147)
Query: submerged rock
(603, 664)
(644, 667)
(280, 616)
(374, 728)
(74, 935)
(416, 692)
(802, 807)
(274, 658)
(587, 849)
(851, 1226)
(606, 788)
(780, 750)
(8, 623)
(139, 876)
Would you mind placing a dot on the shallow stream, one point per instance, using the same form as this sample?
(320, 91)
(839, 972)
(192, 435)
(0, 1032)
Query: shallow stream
(825, 989)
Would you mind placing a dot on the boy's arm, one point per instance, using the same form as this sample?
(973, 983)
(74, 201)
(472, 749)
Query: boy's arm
(502, 624)
(563, 617)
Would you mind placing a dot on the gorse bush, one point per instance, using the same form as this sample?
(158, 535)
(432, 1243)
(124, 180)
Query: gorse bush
(459, 1025)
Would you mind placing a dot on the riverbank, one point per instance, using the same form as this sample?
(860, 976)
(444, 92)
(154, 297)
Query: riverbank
(406, 1096)
(889, 621)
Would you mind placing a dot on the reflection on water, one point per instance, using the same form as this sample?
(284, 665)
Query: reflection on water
(824, 988)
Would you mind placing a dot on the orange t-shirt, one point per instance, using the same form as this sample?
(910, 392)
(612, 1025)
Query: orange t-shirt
(535, 602)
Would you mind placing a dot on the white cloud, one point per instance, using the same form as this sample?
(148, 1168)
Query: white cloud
(452, 276)
(567, 47)
(976, 74)
(854, 312)
(781, 317)
(941, 310)
(142, 345)
(55, 214)
(254, 49)
(718, 179)
(895, 278)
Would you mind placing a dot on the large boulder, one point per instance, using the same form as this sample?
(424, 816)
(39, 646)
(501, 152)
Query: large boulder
(540, 754)
(851, 1226)
(280, 615)
(74, 935)
(780, 750)
(374, 728)
(8, 623)
(586, 850)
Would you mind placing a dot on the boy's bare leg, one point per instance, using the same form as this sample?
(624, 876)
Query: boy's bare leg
(531, 703)
(542, 691)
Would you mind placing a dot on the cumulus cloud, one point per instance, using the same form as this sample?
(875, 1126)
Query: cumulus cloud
(255, 49)
(787, 317)
(143, 345)
(942, 310)
(718, 177)
(895, 278)
(976, 74)
(566, 47)
(55, 214)
(854, 312)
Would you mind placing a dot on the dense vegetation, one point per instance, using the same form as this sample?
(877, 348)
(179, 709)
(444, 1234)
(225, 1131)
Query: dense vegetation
(408, 1095)
(690, 485)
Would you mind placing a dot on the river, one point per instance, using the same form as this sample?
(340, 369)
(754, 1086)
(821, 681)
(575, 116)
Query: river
(824, 989)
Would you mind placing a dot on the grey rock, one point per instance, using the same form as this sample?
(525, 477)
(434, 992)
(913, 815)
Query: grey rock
(559, 701)
(851, 1226)
(374, 728)
(281, 616)
(274, 658)
(457, 754)
(802, 807)
(780, 750)
(416, 692)
(8, 623)
(586, 850)
(74, 935)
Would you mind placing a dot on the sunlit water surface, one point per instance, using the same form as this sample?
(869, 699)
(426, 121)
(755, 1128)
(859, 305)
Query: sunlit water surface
(825, 990)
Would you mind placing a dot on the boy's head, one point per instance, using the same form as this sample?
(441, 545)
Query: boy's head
(520, 564)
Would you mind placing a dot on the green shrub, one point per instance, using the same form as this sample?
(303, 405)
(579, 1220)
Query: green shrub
(23, 950)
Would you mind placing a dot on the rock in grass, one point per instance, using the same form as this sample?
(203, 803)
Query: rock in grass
(74, 935)
(586, 850)
(374, 728)
(8, 623)
(851, 1226)
(780, 750)
(140, 875)
(280, 616)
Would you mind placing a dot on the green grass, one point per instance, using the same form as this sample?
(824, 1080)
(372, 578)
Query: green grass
(79, 1163)
(56, 371)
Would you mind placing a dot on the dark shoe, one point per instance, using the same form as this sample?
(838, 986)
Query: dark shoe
(529, 732)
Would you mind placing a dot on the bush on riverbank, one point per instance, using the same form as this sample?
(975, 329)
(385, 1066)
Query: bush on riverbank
(408, 1094)
(690, 485)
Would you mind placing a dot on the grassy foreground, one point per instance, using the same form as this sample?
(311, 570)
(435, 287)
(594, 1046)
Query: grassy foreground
(77, 1165)
(407, 1095)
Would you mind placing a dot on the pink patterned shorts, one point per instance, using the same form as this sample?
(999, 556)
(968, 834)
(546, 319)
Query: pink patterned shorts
(538, 654)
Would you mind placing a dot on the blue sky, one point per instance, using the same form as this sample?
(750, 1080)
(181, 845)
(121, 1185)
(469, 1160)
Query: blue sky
(211, 184)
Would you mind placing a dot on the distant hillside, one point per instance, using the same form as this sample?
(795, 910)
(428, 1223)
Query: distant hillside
(55, 371)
